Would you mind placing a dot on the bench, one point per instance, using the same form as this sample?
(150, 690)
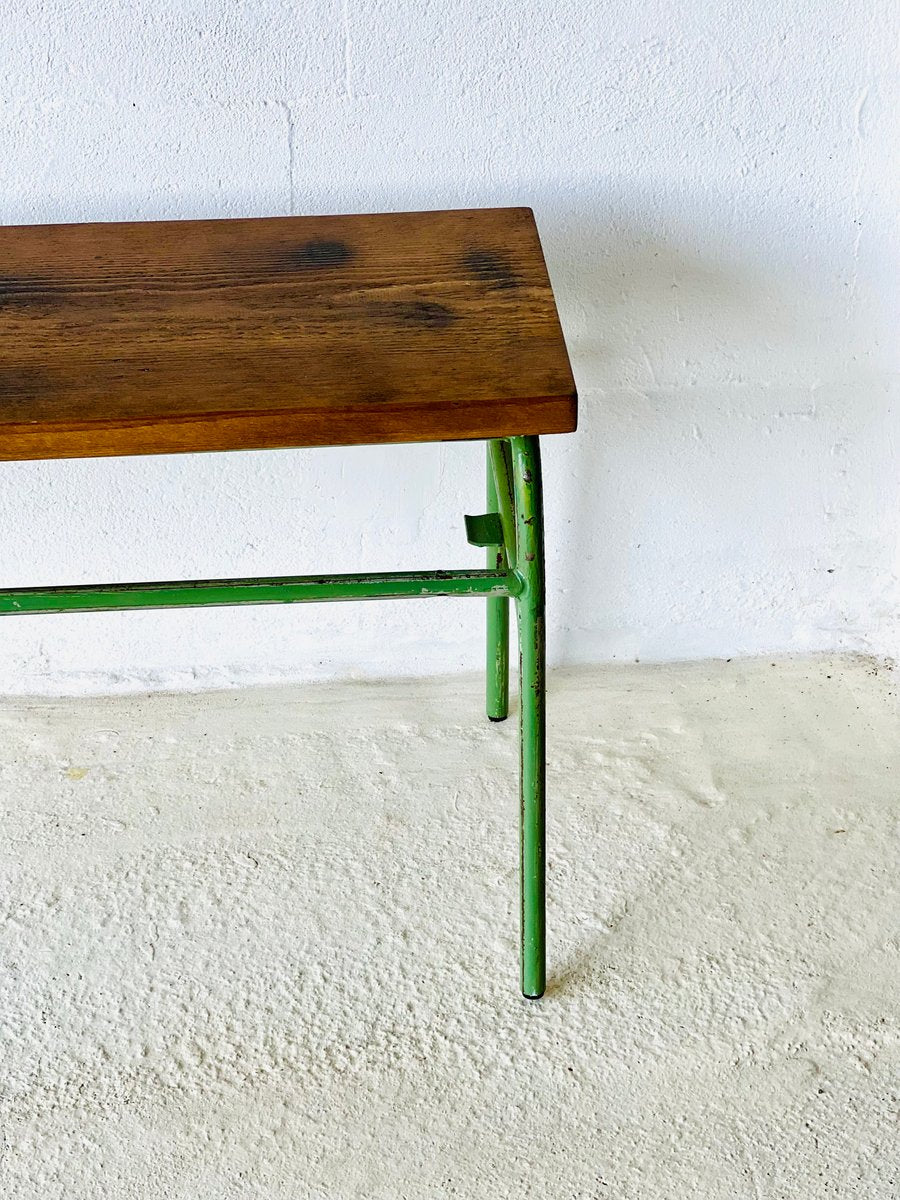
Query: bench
(174, 336)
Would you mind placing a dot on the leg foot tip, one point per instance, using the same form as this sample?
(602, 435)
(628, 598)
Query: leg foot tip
(496, 719)
(533, 995)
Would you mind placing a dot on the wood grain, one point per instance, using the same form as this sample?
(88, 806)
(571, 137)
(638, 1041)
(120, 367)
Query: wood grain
(158, 337)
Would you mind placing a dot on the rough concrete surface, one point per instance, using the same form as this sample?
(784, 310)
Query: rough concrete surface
(263, 943)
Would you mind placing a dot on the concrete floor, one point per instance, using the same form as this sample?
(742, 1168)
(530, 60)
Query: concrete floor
(263, 943)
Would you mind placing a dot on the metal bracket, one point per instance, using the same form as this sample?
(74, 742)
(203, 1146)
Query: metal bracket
(484, 530)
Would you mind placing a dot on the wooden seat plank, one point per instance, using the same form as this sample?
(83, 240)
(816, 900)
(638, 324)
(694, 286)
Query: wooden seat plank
(158, 337)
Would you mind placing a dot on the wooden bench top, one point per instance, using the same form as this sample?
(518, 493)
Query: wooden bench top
(156, 337)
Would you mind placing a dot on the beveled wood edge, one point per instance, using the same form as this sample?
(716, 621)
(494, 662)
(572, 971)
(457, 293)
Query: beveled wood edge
(280, 430)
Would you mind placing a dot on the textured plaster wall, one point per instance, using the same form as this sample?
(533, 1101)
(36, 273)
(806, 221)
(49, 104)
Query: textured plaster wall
(716, 191)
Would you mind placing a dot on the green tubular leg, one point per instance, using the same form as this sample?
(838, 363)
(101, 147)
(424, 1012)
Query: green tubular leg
(497, 662)
(501, 460)
(526, 481)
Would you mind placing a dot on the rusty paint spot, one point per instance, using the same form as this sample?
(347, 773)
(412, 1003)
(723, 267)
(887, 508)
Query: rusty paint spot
(491, 267)
(320, 254)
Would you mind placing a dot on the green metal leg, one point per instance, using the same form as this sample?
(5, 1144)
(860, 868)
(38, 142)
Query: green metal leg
(529, 532)
(497, 621)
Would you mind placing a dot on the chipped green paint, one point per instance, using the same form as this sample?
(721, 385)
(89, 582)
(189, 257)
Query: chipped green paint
(296, 589)
(497, 658)
(499, 451)
(526, 480)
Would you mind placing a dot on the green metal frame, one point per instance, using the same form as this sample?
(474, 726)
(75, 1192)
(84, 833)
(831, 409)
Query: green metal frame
(512, 531)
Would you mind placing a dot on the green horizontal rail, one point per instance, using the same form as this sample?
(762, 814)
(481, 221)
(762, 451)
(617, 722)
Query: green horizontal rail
(296, 589)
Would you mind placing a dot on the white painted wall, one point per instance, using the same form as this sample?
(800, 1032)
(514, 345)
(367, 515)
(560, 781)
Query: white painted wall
(715, 184)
